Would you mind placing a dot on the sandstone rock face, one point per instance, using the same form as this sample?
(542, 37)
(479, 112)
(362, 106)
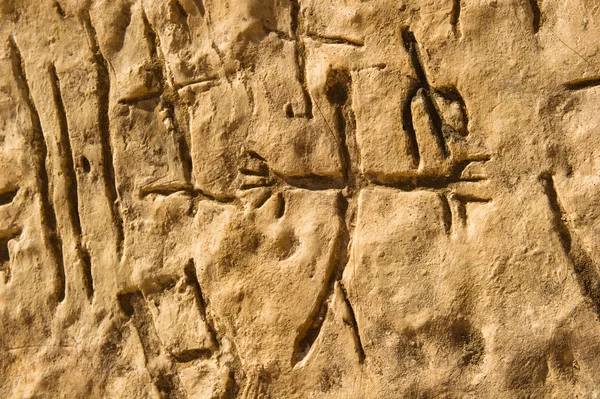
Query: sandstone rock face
(299, 199)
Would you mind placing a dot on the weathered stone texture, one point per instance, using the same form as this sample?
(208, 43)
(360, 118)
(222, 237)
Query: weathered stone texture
(299, 199)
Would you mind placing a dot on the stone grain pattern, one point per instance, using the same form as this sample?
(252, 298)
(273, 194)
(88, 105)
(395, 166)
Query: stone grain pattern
(299, 199)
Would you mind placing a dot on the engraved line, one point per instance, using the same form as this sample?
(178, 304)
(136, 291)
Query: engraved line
(66, 160)
(584, 83)
(300, 50)
(165, 379)
(353, 324)
(103, 88)
(584, 266)
(336, 40)
(455, 16)
(8, 195)
(537, 15)
(192, 279)
(48, 213)
(72, 191)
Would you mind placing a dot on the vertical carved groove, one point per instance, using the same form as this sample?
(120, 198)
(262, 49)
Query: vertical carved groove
(586, 270)
(38, 141)
(411, 46)
(338, 93)
(192, 279)
(88, 280)
(168, 95)
(160, 367)
(68, 169)
(297, 30)
(312, 328)
(455, 16)
(537, 15)
(446, 213)
(66, 158)
(408, 126)
(354, 325)
(103, 88)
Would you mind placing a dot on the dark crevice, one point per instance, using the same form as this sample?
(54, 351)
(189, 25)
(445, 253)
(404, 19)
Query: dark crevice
(59, 10)
(38, 141)
(8, 195)
(88, 280)
(339, 95)
(424, 90)
(537, 15)
(446, 213)
(455, 16)
(165, 190)
(354, 325)
(103, 90)
(280, 206)
(461, 205)
(85, 164)
(181, 142)
(181, 10)
(412, 48)
(586, 269)
(192, 354)
(434, 183)
(192, 279)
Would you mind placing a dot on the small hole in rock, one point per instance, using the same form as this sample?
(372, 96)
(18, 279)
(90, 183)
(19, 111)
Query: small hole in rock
(86, 165)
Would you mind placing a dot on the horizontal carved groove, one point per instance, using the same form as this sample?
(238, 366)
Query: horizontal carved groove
(337, 40)
(192, 354)
(584, 83)
(7, 195)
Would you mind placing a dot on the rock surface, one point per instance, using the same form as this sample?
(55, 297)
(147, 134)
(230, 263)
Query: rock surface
(299, 199)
